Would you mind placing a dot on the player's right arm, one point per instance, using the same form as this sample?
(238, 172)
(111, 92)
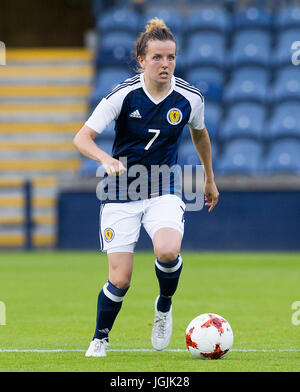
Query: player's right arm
(106, 111)
(84, 142)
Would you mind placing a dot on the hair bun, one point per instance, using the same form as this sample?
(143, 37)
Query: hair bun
(155, 23)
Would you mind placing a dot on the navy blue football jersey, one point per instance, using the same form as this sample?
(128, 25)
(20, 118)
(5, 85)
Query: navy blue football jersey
(147, 131)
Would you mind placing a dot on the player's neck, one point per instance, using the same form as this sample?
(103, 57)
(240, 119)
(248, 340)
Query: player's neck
(157, 90)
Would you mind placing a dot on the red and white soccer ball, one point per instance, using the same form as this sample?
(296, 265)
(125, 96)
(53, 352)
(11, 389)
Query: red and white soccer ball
(209, 336)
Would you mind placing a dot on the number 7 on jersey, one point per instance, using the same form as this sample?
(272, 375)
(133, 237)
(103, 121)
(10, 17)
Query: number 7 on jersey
(156, 132)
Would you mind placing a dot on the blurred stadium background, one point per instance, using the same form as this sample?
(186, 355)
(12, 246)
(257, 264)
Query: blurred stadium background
(63, 56)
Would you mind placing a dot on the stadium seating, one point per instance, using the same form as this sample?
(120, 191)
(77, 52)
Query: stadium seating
(116, 19)
(173, 19)
(100, 6)
(241, 156)
(213, 114)
(247, 84)
(286, 86)
(208, 80)
(212, 117)
(208, 19)
(238, 54)
(284, 122)
(245, 119)
(179, 37)
(283, 157)
(287, 18)
(187, 154)
(282, 53)
(115, 48)
(105, 81)
(252, 17)
(206, 49)
(250, 47)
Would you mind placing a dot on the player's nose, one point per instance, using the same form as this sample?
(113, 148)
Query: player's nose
(165, 63)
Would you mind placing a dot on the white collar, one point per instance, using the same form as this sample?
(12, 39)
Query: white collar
(149, 95)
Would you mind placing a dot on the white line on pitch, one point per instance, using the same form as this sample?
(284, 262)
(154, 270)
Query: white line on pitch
(135, 350)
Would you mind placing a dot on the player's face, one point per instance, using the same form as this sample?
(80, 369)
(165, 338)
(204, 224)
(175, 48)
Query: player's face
(159, 61)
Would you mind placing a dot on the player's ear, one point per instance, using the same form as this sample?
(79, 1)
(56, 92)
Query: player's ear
(141, 61)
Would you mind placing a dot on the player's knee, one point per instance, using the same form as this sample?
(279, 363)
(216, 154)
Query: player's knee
(166, 254)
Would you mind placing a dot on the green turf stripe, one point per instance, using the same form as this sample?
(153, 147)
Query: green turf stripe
(135, 350)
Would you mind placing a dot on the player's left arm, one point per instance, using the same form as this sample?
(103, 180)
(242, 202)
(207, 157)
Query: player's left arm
(202, 145)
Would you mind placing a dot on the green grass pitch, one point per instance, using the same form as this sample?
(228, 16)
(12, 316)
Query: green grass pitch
(50, 300)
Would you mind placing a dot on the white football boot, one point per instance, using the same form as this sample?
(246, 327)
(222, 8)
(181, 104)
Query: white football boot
(97, 348)
(162, 329)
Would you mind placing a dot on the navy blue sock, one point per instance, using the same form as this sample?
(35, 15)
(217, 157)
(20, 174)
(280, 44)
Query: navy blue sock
(168, 274)
(109, 304)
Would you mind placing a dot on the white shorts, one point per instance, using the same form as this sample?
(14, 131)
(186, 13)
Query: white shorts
(120, 223)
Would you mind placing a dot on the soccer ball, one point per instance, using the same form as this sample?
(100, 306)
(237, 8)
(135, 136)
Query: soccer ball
(209, 336)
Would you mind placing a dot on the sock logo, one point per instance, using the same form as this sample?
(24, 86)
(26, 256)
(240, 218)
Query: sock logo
(105, 330)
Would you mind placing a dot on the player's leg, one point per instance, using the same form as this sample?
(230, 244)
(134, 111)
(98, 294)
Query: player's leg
(111, 296)
(110, 299)
(165, 224)
(120, 266)
(119, 231)
(168, 264)
(164, 221)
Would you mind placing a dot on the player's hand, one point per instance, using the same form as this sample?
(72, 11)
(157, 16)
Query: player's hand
(113, 167)
(211, 195)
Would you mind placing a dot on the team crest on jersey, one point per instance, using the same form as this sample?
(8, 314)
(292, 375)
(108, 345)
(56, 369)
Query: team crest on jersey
(109, 234)
(174, 116)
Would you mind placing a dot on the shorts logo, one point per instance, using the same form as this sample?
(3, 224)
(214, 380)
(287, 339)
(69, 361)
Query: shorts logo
(109, 234)
(174, 116)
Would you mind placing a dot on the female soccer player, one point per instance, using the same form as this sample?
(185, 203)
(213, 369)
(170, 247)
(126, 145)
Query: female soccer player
(150, 110)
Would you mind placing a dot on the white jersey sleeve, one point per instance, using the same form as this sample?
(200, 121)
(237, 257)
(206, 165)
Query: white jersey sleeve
(197, 115)
(196, 100)
(105, 112)
(110, 107)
